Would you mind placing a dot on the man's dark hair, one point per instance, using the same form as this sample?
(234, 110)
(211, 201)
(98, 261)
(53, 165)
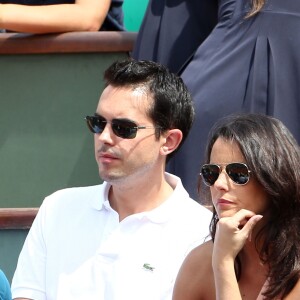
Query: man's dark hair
(172, 103)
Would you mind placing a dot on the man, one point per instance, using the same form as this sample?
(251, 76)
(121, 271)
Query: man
(126, 238)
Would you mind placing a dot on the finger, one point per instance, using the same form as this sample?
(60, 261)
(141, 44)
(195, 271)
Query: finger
(241, 218)
(243, 214)
(248, 227)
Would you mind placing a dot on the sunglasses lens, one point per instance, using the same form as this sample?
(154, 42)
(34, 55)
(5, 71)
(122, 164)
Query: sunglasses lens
(238, 173)
(210, 174)
(124, 129)
(95, 124)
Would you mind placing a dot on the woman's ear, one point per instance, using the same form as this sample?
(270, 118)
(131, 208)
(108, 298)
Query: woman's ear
(172, 139)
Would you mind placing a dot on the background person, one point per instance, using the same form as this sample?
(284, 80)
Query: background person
(5, 293)
(125, 238)
(253, 171)
(248, 63)
(172, 31)
(54, 16)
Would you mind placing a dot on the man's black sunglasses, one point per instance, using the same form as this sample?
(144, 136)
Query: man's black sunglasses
(125, 129)
(239, 173)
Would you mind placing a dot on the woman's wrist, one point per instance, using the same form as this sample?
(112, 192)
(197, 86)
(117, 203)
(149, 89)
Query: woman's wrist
(221, 264)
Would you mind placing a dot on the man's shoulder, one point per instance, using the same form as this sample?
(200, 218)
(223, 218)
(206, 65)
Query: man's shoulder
(191, 205)
(77, 190)
(192, 216)
(72, 204)
(182, 198)
(75, 195)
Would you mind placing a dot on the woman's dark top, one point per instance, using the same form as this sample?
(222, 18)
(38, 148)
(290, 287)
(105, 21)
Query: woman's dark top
(113, 21)
(172, 30)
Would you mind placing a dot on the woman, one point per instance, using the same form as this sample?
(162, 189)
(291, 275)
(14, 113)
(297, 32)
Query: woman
(5, 293)
(250, 62)
(54, 16)
(253, 172)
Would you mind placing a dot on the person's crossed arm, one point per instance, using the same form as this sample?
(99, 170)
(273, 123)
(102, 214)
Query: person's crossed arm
(83, 15)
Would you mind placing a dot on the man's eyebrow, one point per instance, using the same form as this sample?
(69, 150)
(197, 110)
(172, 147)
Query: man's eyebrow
(98, 115)
(124, 119)
(117, 119)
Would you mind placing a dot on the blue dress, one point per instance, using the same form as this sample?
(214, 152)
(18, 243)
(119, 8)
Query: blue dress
(245, 65)
(113, 21)
(172, 30)
(5, 293)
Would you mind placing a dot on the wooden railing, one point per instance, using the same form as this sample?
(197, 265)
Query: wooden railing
(71, 42)
(17, 218)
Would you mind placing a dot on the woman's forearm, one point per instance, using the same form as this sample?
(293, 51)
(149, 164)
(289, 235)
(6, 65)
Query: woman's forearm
(226, 284)
(84, 15)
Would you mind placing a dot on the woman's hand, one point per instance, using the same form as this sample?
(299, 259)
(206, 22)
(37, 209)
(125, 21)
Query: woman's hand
(232, 233)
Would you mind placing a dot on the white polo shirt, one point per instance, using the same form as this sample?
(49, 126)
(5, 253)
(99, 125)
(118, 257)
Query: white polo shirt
(78, 249)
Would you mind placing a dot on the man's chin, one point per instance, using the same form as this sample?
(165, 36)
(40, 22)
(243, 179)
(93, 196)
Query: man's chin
(111, 178)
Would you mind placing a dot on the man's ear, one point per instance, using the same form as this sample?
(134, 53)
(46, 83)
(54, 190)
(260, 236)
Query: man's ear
(172, 139)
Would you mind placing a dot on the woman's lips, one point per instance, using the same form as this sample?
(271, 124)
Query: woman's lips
(223, 203)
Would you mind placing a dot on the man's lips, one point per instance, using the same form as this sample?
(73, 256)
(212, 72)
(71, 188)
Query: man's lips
(106, 157)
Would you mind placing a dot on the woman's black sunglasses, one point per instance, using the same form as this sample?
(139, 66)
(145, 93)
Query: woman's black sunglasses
(239, 173)
(123, 128)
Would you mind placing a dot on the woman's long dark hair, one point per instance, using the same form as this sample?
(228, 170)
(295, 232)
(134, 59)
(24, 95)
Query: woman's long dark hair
(273, 156)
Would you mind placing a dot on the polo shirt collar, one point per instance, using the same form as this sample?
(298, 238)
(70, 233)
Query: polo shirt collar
(164, 212)
(160, 214)
(100, 196)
